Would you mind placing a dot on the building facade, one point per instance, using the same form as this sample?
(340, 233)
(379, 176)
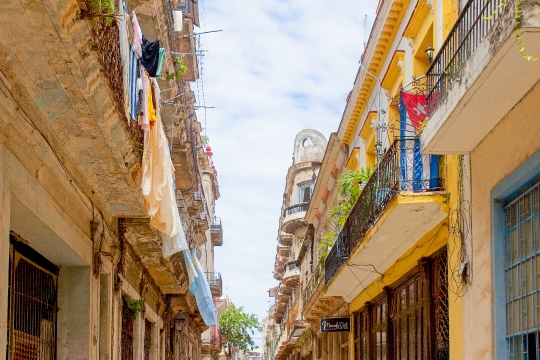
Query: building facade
(285, 327)
(438, 256)
(87, 273)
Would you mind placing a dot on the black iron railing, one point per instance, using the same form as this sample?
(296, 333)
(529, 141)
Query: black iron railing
(106, 36)
(216, 224)
(399, 170)
(295, 209)
(313, 283)
(472, 25)
(215, 282)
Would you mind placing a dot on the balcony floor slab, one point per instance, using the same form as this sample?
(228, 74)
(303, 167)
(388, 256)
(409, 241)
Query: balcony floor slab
(402, 224)
(495, 78)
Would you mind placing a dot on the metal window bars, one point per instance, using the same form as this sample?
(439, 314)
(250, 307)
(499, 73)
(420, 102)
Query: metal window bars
(32, 310)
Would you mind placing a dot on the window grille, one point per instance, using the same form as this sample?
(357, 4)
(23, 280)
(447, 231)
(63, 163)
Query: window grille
(378, 330)
(32, 288)
(147, 339)
(127, 337)
(522, 272)
(409, 308)
(402, 330)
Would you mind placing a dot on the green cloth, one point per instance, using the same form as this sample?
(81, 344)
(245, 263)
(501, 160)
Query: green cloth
(160, 61)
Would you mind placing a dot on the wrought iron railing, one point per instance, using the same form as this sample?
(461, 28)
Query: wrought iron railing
(472, 25)
(106, 36)
(400, 169)
(312, 284)
(295, 209)
(215, 282)
(215, 340)
(216, 224)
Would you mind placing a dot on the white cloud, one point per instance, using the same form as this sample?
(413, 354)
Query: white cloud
(277, 68)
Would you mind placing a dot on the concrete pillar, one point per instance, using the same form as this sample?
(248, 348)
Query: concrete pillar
(105, 317)
(4, 249)
(138, 337)
(74, 335)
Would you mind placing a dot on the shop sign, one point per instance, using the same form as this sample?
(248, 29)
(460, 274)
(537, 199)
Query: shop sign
(335, 325)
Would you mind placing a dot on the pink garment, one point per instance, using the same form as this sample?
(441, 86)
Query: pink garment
(137, 34)
(144, 122)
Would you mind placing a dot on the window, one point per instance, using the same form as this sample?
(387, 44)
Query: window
(127, 337)
(32, 294)
(306, 189)
(396, 324)
(147, 339)
(522, 270)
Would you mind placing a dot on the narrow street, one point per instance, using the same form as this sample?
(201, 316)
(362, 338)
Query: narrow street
(269, 180)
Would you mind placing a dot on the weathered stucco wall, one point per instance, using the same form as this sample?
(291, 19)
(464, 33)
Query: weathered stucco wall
(510, 144)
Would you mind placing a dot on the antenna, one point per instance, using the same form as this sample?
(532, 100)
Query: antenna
(365, 31)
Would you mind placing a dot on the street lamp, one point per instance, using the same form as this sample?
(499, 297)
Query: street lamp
(429, 52)
(179, 321)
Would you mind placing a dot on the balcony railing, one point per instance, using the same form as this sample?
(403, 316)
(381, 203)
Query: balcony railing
(215, 341)
(312, 284)
(472, 25)
(216, 232)
(295, 209)
(397, 171)
(106, 36)
(215, 282)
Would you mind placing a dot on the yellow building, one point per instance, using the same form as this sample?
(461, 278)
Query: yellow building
(438, 258)
(394, 267)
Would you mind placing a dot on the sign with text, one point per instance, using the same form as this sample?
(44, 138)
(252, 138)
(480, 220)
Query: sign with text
(335, 325)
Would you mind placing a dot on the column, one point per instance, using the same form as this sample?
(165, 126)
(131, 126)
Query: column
(4, 248)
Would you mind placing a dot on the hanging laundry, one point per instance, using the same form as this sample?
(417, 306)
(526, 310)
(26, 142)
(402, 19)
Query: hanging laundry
(151, 108)
(203, 295)
(150, 56)
(158, 187)
(143, 113)
(160, 62)
(155, 94)
(134, 78)
(192, 273)
(137, 34)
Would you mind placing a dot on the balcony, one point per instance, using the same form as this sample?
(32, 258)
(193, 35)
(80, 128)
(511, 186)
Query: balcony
(200, 225)
(312, 285)
(285, 239)
(195, 203)
(396, 207)
(216, 232)
(215, 282)
(293, 217)
(479, 74)
(291, 277)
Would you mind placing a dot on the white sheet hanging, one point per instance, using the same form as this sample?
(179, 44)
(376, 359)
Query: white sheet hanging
(158, 190)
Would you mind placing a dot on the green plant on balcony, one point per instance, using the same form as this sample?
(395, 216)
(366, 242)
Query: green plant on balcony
(517, 27)
(349, 186)
(131, 307)
(204, 141)
(101, 9)
(454, 69)
(180, 69)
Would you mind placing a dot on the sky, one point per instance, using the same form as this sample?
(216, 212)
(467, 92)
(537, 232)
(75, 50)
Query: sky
(277, 68)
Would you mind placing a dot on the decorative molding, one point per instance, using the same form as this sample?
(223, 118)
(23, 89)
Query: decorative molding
(429, 3)
(411, 44)
(400, 65)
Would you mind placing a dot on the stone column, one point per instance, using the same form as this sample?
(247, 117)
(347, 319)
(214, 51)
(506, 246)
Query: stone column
(4, 247)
